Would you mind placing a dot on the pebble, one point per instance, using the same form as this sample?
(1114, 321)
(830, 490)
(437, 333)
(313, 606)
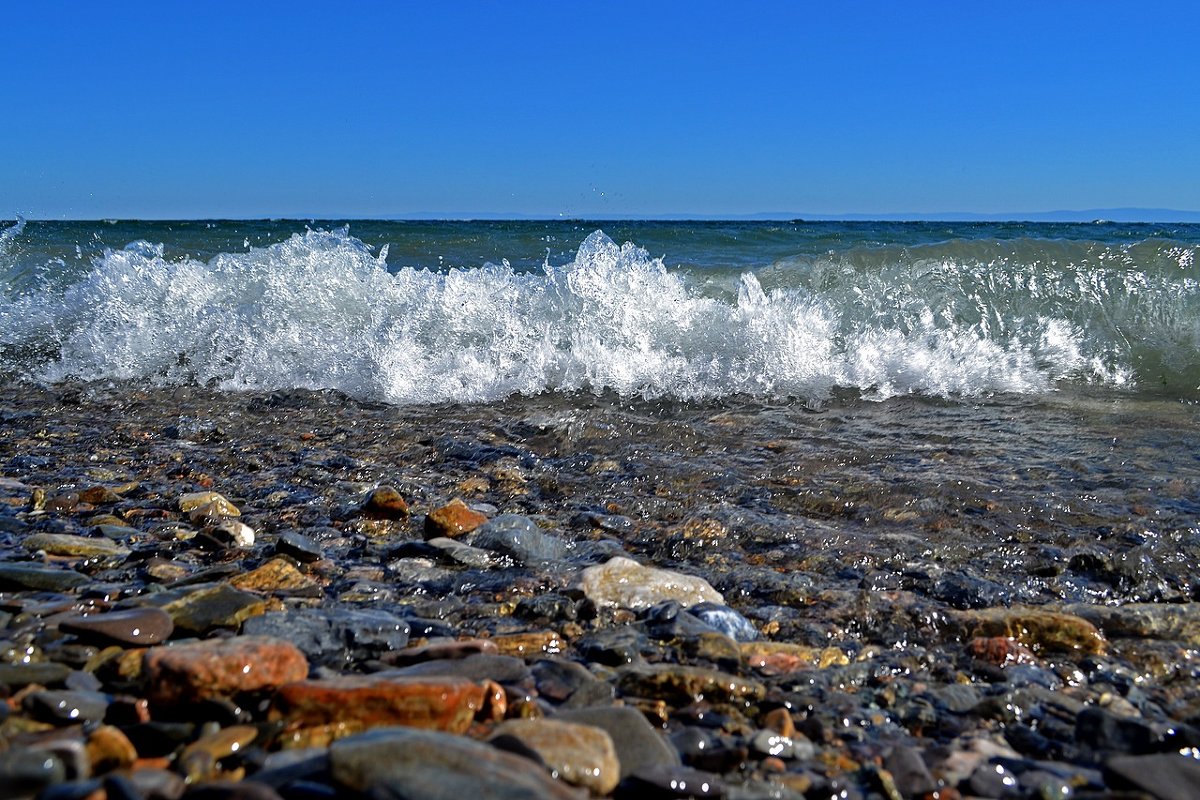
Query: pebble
(64, 706)
(221, 667)
(623, 583)
(582, 755)
(47, 579)
(211, 504)
(1166, 776)
(637, 744)
(725, 620)
(63, 544)
(202, 608)
(520, 539)
(348, 704)
(675, 782)
(277, 575)
(412, 763)
(452, 520)
(1036, 628)
(25, 773)
(335, 637)
(298, 546)
(384, 502)
(137, 627)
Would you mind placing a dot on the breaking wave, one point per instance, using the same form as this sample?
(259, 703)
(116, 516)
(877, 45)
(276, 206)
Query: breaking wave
(323, 310)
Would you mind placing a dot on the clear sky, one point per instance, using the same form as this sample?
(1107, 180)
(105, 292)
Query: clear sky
(251, 109)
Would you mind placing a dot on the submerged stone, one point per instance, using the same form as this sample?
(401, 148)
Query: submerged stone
(623, 583)
(221, 667)
(410, 763)
(580, 754)
(348, 704)
(519, 538)
(130, 626)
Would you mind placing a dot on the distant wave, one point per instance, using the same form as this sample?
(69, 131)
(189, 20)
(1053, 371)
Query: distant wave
(323, 310)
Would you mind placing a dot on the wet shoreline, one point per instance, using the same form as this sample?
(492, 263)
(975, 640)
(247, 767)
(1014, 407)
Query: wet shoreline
(932, 593)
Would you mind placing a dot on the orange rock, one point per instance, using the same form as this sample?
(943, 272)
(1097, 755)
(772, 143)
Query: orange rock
(221, 667)
(108, 749)
(277, 575)
(385, 502)
(451, 520)
(349, 704)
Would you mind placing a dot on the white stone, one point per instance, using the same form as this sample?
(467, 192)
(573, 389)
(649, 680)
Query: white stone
(623, 583)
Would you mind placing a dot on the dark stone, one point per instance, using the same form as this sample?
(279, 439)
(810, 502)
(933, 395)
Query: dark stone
(155, 784)
(138, 627)
(612, 647)
(909, 772)
(1166, 776)
(334, 637)
(39, 578)
(559, 680)
(483, 666)
(1106, 732)
(24, 773)
(993, 780)
(44, 673)
(519, 538)
(638, 745)
(412, 763)
(671, 782)
(229, 790)
(66, 707)
(71, 790)
(298, 546)
(159, 739)
(547, 608)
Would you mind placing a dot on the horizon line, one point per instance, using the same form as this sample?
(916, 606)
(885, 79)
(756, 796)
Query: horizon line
(1124, 215)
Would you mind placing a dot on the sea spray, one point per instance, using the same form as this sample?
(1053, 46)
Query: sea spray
(322, 309)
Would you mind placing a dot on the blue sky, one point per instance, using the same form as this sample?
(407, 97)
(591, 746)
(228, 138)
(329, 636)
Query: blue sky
(251, 109)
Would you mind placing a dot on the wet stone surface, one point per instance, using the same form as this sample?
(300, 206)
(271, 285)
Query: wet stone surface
(295, 595)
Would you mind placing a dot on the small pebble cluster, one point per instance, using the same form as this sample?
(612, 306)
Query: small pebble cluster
(186, 613)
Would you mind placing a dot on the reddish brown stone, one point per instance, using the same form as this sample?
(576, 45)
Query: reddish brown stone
(451, 520)
(98, 495)
(108, 748)
(352, 703)
(385, 502)
(221, 667)
(1000, 650)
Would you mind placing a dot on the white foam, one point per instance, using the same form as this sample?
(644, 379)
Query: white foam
(321, 310)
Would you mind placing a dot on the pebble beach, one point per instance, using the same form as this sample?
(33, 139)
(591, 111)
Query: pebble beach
(301, 595)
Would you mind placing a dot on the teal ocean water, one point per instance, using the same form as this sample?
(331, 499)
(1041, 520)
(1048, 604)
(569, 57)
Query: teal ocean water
(431, 312)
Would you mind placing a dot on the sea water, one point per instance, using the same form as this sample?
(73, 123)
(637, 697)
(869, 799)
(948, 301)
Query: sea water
(1010, 405)
(428, 312)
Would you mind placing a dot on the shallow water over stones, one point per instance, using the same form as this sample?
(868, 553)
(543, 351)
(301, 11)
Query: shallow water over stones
(866, 600)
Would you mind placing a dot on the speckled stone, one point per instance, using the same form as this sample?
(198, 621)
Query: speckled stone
(683, 684)
(623, 583)
(348, 704)
(221, 667)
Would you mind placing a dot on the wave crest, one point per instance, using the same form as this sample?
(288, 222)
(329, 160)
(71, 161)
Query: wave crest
(322, 310)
